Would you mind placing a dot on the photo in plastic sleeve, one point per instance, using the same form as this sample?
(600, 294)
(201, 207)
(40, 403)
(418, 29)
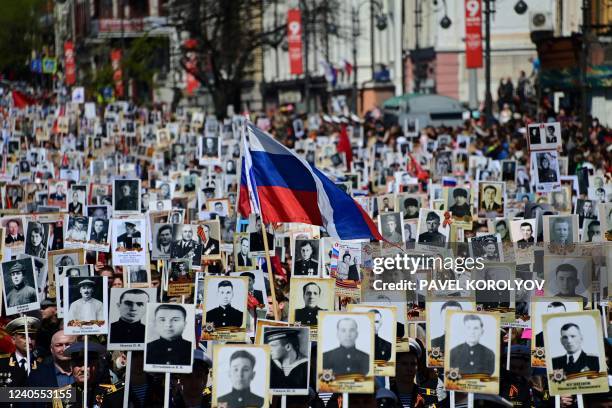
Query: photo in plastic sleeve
(308, 297)
(169, 338)
(437, 313)
(247, 367)
(20, 286)
(385, 327)
(576, 359)
(127, 314)
(539, 307)
(345, 352)
(544, 136)
(85, 305)
(126, 196)
(546, 174)
(129, 241)
(225, 310)
(471, 362)
(289, 359)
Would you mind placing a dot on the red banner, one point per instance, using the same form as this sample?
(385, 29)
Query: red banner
(117, 72)
(294, 38)
(473, 33)
(69, 63)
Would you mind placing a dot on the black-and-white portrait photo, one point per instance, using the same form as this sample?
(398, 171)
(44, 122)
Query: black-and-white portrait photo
(14, 236)
(486, 246)
(560, 229)
(289, 359)
(306, 258)
(390, 225)
(242, 259)
(494, 298)
(431, 229)
(129, 241)
(544, 136)
(491, 197)
(436, 323)
(385, 328)
(508, 170)
(76, 203)
(169, 338)
(85, 304)
(459, 203)
(98, 231)
(568, 277)
(185, 244)
(37, 242)
(225, 301)
(162, 241)
(585, 209)
(308, 298)
(75, 234)
(126, 195)
(547, 165)
(209, 233)
(127, 316)
(523, 232)
(20, 286)
(591, 231)
(410, 207)
(247, 367)
(210, 147)
(444, 163)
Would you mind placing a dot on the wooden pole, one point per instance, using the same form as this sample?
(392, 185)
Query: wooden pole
(270, 273)
(27, 334)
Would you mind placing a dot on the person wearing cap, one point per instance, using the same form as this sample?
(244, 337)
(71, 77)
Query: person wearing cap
(346, 358)
(411, 208)
(128, 237)
(241, 374)
(289, 366)
(87, 308)
(78, 232)
(95, 391)
(57, 372)
(127, 198)
(170, 348)
(14, 368)
(461, 208)
(225, 315)
(432, 236)
(21, 293)
(256, 293)
(129, 328)
(471, 357)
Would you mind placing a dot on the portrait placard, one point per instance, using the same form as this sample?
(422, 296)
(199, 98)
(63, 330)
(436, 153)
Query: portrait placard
(127, 316)
(85, 305)
(20, 286)
(289, 346)
(225, 308)
(436, 315)
(308, 297)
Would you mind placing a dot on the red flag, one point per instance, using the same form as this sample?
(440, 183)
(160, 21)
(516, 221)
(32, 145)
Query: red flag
(344, 146)
(21, 100)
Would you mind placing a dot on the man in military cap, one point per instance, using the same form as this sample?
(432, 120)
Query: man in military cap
(78, 231)
(346, 359)
(171, 348)
(87, 308)
(382, 348)
(225, 315)
(306, 266)
(21, 293)
(129, 329)
(490, 249)
(471, 357)
(241, 374)
(289, 366)
(308, 315)
(95, 391)
(14, 368)
(127, 198)
(432, 236)
(128, 238)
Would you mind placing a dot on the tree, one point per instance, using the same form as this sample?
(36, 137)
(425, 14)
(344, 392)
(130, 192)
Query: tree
(225, 36)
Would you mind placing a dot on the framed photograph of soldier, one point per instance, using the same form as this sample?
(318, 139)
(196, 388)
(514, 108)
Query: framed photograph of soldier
(126, 196)
(306, 258)
(486, 246)
(78, 194)
(14, 238)
(57, 193)
(546, 171)
(225, 308)
(458, 200)
(491, 199)
(261, 323)
(181, 278)
(242, 259)
(345, 352)
(544, 136)
(471, 362)
(169, 338)
(391, 227)
(75, 231)
(209, 233)
(576, 361)
(37, 238)
(385, 328)
(436, 314)
(431, 228)
(129, 241)
(58, 259)
(523, 232)
(568, 276)
(591, 231)
(560, 230)
(185, 243)
(289, 359)
(248, 369)
(85, 304)
(127, 315)
(539, 307)
(20, 286)
(97, 235)
(308, 297)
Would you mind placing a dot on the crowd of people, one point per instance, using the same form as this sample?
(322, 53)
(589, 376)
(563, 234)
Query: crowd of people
(132, 275)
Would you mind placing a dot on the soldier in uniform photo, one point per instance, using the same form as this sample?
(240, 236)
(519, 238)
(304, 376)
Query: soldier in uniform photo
(210, 246)
(545, 173)
(390, 226)
(170, 348)
(575, 360)
(99, 231)
(527, 235)
(471, 357)
(289, 365)
(14, 368)
(382, 348)
(128, 238)
(346, 359)
(308, 315)
(461, 208)
(567, 280)
(129, 328)
(243, 255)
(432, 236)
(225, 315)
(186, 247)
(241, 374)
(440, 341)
(306, 266)
(18, 291)
(126, 196)
(13, 235)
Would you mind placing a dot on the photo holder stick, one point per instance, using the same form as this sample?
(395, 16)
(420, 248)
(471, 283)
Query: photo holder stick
(509, 348)
(85, 363)
(27, 334)
(270, 273)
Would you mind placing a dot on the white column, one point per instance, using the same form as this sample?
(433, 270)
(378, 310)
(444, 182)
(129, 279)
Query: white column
(398, 62)
(154, 8)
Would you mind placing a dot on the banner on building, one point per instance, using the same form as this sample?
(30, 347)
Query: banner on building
(69, 63)
(294, 39)
(473, 34)
(117, 72)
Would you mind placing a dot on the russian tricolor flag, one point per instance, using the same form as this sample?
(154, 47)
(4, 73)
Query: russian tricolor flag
(282, 187)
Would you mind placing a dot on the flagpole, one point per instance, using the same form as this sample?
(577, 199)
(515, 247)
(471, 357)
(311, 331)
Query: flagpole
(270, 274)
